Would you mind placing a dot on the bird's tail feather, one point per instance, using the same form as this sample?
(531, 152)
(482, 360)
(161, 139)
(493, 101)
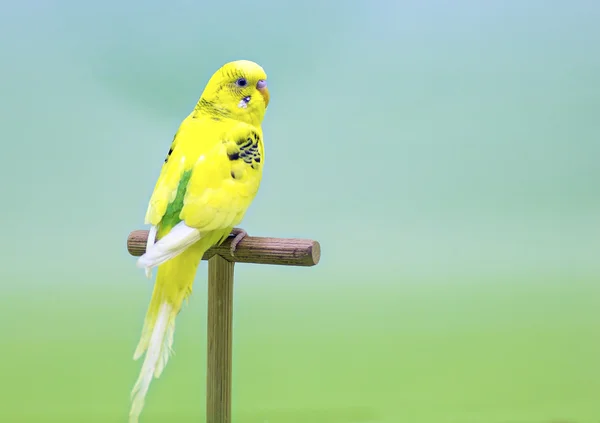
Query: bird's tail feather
(157, 354)
(173, 285)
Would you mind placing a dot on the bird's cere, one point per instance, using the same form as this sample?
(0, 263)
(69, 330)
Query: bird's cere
(261, 86)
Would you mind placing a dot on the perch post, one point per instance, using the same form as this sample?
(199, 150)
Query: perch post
(258, 250)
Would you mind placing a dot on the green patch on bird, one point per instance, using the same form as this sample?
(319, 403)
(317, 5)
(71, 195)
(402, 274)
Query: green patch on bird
(171, 217)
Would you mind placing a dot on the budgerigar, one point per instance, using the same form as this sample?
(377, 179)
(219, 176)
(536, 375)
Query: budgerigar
(208, 180)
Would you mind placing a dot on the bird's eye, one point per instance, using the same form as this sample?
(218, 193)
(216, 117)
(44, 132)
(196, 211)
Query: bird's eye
(241, 82)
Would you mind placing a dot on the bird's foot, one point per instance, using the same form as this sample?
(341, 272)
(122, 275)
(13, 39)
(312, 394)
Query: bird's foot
(238, 234)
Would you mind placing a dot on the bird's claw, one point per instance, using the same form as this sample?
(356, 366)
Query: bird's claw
(239, 234)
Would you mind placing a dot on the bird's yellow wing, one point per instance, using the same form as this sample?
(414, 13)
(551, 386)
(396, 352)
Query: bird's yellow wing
(224, 180)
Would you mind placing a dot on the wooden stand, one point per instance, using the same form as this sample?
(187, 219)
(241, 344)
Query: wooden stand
(259, 250)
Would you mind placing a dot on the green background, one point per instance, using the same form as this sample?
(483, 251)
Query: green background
(445, 154)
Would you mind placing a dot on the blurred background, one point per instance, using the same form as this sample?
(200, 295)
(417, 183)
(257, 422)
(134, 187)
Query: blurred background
(445, 154)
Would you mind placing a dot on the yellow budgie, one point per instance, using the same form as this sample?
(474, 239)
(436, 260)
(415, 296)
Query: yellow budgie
(210, 176)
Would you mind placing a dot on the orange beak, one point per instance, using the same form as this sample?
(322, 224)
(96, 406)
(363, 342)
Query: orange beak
(261, 86)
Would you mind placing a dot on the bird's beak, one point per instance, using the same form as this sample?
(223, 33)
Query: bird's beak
(261, 86)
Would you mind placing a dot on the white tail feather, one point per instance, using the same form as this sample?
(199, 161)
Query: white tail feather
(156, 358)
(167, 349)
(142, 344)
(171, 245)
(149, 244)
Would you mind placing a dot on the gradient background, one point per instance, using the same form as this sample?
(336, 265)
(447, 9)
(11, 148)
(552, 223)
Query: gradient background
(444, 154)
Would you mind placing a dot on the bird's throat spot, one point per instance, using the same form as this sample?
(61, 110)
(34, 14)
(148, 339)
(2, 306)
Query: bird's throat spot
(244, 102)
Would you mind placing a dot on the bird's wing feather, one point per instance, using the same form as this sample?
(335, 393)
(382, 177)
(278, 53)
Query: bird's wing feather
(224, 180)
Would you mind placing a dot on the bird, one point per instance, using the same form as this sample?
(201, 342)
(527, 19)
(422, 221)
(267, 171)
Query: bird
(208, 180)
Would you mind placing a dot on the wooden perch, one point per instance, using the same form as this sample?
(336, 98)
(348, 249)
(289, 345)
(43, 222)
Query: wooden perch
(252, 249)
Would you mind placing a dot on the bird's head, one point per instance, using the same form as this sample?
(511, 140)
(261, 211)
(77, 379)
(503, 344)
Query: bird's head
(238, 90)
